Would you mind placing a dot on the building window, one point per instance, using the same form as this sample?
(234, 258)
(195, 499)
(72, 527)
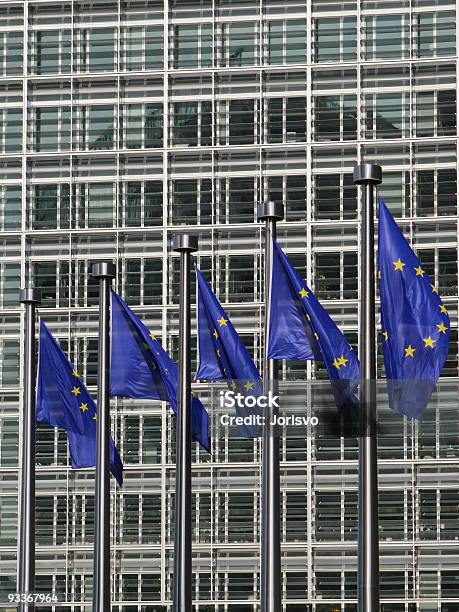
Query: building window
(335, 39)
(387, 115)
(239, 44)
(142, 203)
(93, 127)
(396, 192)
(435, 34)
(95, 50)
(51, 129)
(292, 191)
(52, 278)
(436, 192)
(237, 122)
(192, 45)
(191, 201)
(10, 273)
(50, 206)
(191, 124)
(9, 456)
(236, 198)
(95, 204)
(239, 518)
(8, 520)
(11, 53)
(436, 113)
(286, 120)
(142, 126)
(9, 363)
(335, 196)
(295, 504)
(52, 52)
(10, 130)
(335, 118)
(237, 277)
(287, 41)
(10, 207)
(328, 585)
(142, 48)
(143, 281)
(387, 37)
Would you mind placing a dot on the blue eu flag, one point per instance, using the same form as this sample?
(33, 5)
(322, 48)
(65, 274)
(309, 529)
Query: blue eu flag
(223, 355)
(415, 323)
(300, 328)
(141, 368)
(63, 401)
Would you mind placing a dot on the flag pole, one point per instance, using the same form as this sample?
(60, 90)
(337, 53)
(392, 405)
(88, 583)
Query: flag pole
(368, 176)
(182, 599)
(105, 272)
(270, 562)
(26, 567)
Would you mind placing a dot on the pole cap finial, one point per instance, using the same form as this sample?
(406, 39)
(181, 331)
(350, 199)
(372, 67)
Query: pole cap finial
(104, 268)
(270, 210)
(367, 173)
(29, 296)
(184, 242)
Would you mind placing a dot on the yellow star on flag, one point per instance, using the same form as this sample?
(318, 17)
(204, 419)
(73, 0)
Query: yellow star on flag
(409, 351)
(94, 418)
(152, 336)
(222, 321)
(429, 342)
(316, 335)
(233, 385)
(336, 363)
(75, 374)
(443, 308)
(215, 333)
(342, 361)
(304, 293)
(145, 345)
(83, 407)
(76, 391)
(434, 289)
(398, 265)
(442, 328)
(218, 352)
(249, 385)
(386, 335)
(379, 273)
(419, 271)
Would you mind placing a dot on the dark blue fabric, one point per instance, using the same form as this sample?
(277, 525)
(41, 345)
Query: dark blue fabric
(223, 355)
(300, 328)
(63, 401)
(414, 321)
(141, 368)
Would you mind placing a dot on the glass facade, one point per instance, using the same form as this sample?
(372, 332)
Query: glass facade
(123, 121)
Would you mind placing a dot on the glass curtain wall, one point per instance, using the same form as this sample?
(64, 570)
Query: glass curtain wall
(123, 121)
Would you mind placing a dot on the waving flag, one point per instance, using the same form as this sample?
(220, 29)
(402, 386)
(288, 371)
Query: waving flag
(223, 355)
(415, 323)
(63, 401)
(141, 368)
(300, 328)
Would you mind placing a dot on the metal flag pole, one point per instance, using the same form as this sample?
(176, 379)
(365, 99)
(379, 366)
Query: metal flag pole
(105, 272)
(26, 567)
(368, 176)
(182, 600)
(270, 562)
